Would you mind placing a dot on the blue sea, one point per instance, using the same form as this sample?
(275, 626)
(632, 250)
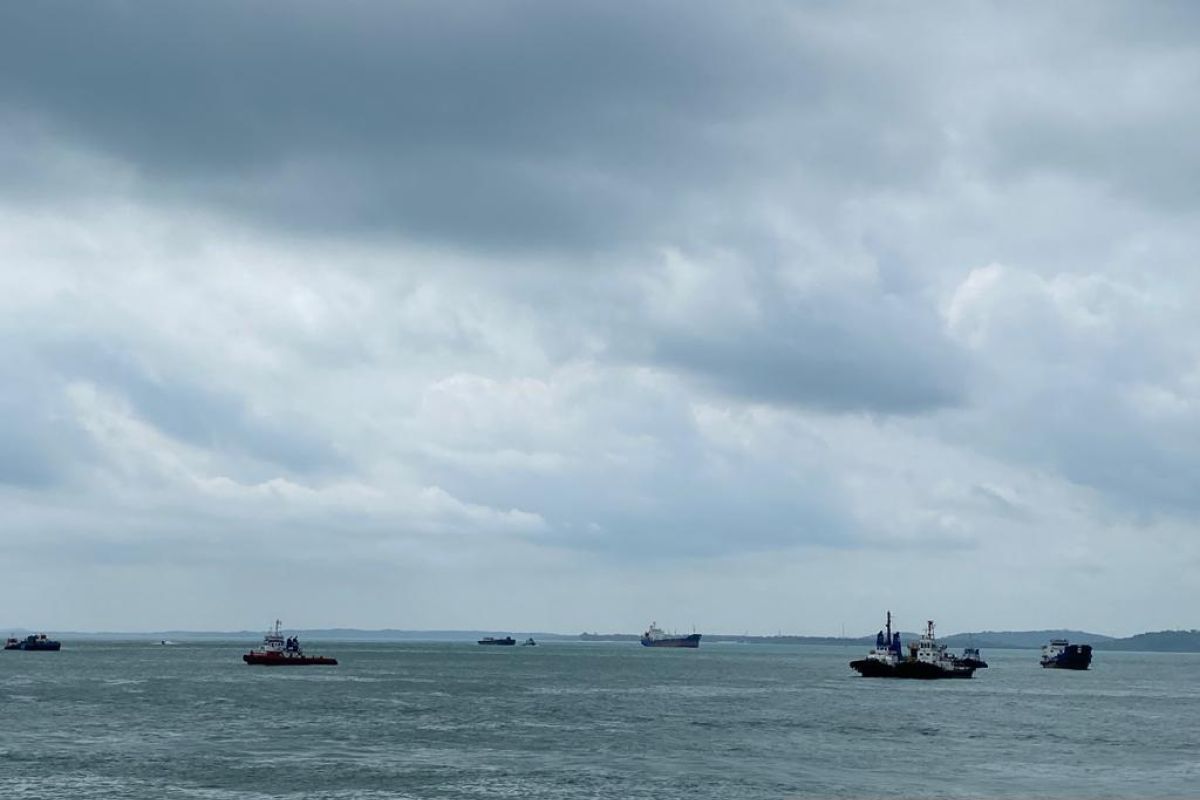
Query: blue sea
(586, 720)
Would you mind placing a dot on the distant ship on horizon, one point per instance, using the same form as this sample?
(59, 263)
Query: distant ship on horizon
(657, 637)
(507, 641)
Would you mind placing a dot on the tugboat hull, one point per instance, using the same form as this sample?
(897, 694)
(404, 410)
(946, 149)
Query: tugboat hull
(280, 660)
(918, 670)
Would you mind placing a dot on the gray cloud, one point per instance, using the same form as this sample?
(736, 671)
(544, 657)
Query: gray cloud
(40, 444)
(641, 481)
(827, 352)
(722, 307)
(523, 125)
(183, 407)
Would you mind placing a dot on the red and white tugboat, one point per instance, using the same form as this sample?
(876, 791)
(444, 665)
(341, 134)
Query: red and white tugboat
(278, 651)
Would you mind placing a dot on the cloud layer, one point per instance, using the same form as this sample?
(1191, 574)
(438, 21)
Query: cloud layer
(560, 316)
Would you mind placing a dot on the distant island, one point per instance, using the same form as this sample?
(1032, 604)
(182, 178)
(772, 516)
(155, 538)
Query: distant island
(1181, 641)
(1156, 642)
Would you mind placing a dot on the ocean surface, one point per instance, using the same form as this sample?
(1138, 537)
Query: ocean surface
(586, 720)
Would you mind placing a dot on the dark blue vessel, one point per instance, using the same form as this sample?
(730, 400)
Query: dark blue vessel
(32, 642)
(507, 641)
(1061, 654)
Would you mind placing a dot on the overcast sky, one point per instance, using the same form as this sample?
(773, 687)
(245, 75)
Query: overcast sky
(567, 316)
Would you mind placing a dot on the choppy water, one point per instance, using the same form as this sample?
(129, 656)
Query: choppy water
(586, 720)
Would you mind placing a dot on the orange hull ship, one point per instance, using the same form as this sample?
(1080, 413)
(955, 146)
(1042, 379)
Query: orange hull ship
(278, 651)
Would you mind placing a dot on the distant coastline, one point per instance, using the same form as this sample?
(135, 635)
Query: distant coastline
(1177, 641)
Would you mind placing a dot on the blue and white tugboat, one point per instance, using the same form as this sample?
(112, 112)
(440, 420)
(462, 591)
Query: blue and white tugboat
(926, 659)
(1061, 654)
(657, 637)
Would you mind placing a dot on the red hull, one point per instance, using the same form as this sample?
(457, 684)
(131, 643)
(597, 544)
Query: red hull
(282, 660)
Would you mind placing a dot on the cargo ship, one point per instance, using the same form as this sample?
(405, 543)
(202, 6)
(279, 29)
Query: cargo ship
(657, 637)
(926, 659)
(507, 641)
(1061, 654)
(33, 641)
(278, 651)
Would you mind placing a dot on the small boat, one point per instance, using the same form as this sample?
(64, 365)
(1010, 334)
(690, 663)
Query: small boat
(33, 641)
(507, 641)
(657, 637)
(1061, 654)
(528, 642)
(278, 651)
(926, 660)
(971, 658)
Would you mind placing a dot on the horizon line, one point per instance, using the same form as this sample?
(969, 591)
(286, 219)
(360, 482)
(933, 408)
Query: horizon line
(573, 634)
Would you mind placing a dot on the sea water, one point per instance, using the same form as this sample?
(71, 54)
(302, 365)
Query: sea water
(586, 720)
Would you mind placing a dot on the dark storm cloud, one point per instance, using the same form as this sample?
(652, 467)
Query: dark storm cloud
(580, 128)
(520, 124)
